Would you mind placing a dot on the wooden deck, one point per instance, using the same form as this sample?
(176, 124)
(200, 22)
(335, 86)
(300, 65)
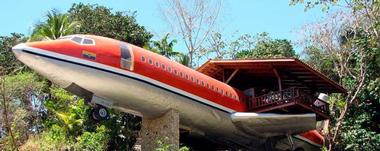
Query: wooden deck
(291, 98)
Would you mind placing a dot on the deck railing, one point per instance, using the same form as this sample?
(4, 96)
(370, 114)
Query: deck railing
(287, 97)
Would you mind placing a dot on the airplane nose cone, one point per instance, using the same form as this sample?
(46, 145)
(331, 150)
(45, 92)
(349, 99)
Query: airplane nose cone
(18, 48)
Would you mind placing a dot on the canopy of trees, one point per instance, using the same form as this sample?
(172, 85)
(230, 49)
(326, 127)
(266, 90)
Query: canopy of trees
(263, 46)
(100, 20)
(346, 46)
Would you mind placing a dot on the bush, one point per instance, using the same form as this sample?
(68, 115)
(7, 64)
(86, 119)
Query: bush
(51, 139)
(93, 141)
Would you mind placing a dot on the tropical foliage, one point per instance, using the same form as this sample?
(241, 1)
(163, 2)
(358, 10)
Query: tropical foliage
(61, 119)
(55, 26)
(66, 125)
(20, 115)
(263, 46)
(346, 46)
(183, 59)
(247, 46)
(100, 20)
(165, 47)
(8, 62)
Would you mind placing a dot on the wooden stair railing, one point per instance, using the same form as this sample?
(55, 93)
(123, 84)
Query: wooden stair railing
(288, 97)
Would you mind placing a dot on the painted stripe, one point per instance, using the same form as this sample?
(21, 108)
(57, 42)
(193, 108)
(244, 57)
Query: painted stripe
(131, 75)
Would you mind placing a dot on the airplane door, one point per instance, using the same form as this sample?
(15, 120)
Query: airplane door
(126, 57)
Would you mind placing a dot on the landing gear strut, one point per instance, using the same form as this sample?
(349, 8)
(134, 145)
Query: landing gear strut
(99, 113)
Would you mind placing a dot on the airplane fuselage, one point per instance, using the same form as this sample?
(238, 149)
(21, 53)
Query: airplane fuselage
(131, 79)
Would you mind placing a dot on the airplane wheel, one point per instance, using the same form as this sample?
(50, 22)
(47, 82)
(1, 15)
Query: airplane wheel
(99, 113)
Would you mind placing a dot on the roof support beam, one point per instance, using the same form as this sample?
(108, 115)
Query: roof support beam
(217, 70)
(278, 79)
(232, 75)
(294, 77)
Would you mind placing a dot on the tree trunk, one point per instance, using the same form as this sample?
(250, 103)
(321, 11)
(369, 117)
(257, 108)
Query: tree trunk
(5, 114)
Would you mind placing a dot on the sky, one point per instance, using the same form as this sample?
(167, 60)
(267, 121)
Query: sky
(238, 17)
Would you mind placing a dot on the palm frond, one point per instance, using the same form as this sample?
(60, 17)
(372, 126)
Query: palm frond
(56, 25)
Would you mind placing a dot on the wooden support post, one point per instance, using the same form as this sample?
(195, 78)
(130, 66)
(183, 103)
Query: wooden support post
(278, 79)
(232, 75)
(164, 129)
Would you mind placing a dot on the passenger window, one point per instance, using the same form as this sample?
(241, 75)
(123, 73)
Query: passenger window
(180, 74)
(157, 64)
(198, 81)
(187, 77)
(169, 69)
(192, 79)
(163, 66)
(142, 58)
(150, 61)
(175, 71)
(203, 84)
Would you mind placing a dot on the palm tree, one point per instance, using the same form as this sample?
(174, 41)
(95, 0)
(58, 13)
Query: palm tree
(183, 59)
(56, 25)
(165, 47)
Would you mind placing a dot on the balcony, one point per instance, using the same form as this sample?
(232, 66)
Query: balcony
(256, 75)
(292, 100)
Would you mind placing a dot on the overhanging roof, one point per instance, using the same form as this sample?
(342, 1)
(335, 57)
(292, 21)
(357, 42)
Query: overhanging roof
(293, 72)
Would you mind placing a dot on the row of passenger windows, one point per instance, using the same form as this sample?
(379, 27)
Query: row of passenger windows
(188, 77)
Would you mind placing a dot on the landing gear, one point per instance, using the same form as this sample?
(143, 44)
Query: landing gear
(99, 113)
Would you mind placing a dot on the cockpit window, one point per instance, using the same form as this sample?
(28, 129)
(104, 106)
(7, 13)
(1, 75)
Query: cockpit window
(66, 37)
(87, 41)
(77, 39)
